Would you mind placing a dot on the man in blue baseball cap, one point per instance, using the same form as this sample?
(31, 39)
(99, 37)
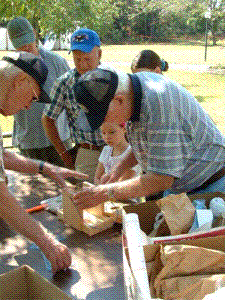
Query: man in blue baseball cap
(86, 51)
(84, 40)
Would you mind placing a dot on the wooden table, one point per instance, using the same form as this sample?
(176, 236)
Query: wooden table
(96, 271)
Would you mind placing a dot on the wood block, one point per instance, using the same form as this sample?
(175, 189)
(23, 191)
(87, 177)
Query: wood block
(71, 214)
(96, 210)
(90, 221)
(114, 209)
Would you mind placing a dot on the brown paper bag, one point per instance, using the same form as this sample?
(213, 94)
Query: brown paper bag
(153, 269)
(184, 260)
(191, 287)
(178, 211)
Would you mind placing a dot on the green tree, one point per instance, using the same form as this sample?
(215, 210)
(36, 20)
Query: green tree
(164, 18)
(120, 32)
(60, 16)
(217, 12)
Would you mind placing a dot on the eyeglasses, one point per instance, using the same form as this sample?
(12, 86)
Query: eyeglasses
(35, 98)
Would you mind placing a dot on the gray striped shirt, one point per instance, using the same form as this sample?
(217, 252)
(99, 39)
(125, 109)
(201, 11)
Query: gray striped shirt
(174, 135)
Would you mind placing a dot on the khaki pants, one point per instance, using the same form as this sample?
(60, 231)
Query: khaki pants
(87, 161)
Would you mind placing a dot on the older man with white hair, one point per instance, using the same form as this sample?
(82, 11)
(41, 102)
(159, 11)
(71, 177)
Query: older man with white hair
(22, 77)
(86, 51)
(175, 141)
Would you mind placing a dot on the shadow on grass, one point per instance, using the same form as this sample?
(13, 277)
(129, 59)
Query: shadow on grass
(188, 86)
(200, 98)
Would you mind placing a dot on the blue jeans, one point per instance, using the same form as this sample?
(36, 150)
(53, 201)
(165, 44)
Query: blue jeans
(217, 186)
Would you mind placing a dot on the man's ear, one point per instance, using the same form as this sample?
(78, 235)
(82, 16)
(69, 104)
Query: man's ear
(20, 80)
(119, 99)
(100, 53)
(158, 70)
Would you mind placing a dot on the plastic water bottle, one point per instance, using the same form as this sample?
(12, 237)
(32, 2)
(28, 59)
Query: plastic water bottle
(217, 206)
(199, 204)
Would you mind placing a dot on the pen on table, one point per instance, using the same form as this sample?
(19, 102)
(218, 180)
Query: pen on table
(36, 208)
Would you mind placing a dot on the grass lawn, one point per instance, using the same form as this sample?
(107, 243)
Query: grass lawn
(207, 88)
(179, 54)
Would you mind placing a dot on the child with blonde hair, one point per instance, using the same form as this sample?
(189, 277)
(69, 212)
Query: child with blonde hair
(117, 147)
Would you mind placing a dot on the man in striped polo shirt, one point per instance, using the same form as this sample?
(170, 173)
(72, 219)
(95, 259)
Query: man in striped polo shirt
(86, 51)
(172, 137)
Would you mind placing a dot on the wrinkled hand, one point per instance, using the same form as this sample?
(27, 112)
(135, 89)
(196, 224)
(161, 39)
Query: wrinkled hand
(59, 174)
(57, 253)
(89, 197)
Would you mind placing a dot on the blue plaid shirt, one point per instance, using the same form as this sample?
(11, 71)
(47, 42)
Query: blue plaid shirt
(171, 134)
(62, 96)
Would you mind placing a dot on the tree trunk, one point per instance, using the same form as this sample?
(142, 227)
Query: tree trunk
(213, 30)
(36, 27)
(214, 39)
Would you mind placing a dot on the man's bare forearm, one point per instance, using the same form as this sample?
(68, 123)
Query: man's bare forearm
(139, 186)
(129, 160)
(148, 184)
(19, 163)
(16, 217)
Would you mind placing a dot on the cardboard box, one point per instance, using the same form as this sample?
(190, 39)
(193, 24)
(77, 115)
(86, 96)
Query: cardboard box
(147, 212)
(90, 221)
(136, 258)
(24, 283)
